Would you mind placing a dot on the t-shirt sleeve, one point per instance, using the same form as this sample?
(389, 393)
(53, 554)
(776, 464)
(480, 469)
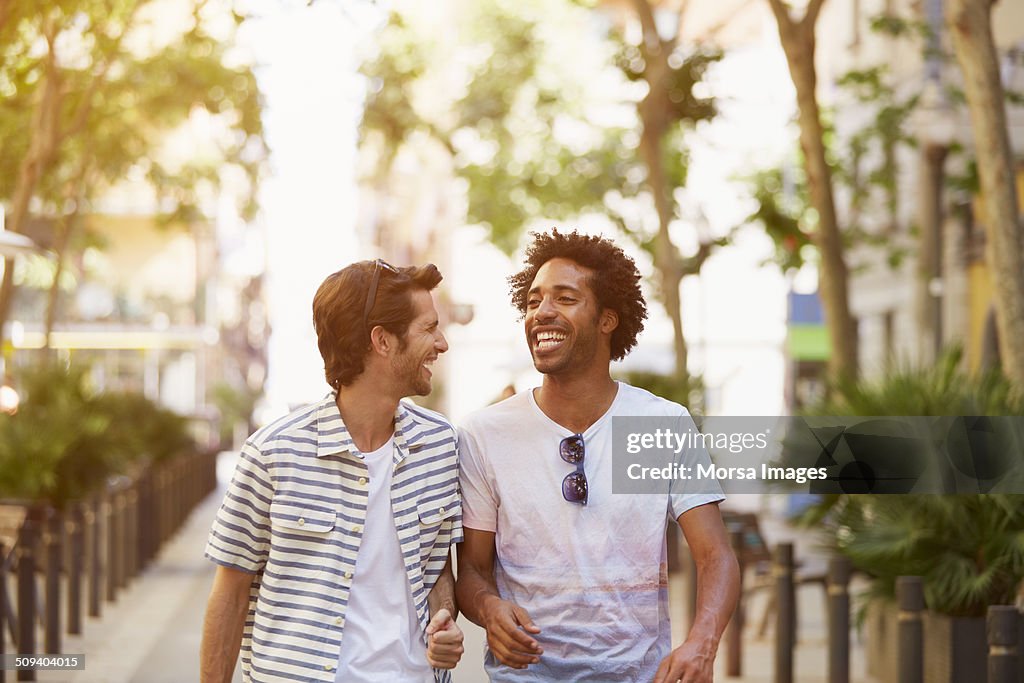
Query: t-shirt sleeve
(240, 537)
(479, 499)
(687, 494)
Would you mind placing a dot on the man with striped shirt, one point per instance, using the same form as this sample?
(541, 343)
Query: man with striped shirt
(333, 540)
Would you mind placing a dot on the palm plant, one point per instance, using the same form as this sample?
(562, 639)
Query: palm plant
(969, 549)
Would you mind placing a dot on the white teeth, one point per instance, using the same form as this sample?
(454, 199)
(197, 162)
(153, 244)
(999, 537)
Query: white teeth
(547, 339)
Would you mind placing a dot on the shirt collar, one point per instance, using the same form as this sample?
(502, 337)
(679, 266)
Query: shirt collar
(333, 437)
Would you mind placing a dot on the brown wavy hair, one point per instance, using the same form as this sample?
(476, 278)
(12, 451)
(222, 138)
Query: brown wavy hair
(615, 280)
(343, 337)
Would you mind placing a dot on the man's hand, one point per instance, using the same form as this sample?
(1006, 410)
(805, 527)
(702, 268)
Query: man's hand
(444, 641)
(507, 627)
(688, 663)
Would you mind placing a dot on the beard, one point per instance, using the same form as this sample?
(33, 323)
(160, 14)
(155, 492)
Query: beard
(578, 353)
(409, 374)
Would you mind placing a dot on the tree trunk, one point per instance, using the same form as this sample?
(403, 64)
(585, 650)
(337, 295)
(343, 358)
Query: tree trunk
(929, 257)
(666, 258)
(60, 246)
(970, 25)
(798, 43)
(44, 137)
(652, 111)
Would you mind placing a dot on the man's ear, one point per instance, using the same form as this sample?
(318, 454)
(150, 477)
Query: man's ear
(381, 341)
(609, 321)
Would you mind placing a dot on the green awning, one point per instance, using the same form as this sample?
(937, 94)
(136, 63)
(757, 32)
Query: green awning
(808, 342)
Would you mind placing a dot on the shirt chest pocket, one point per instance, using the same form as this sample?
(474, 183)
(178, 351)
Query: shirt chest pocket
(298, 520)
(433, 512)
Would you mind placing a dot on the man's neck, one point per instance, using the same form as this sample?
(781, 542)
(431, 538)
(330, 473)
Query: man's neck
(368, 413)
(578, 401)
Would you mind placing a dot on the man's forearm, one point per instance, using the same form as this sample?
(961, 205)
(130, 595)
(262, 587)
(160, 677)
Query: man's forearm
(471, 589)
(442, 595)
(222, 637)
(717, 594)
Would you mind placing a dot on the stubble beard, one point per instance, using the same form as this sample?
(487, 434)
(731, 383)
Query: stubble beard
(578, 355)
(409, 372)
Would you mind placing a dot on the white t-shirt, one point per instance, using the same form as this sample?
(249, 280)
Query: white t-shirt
(382, 641)
(593, 578)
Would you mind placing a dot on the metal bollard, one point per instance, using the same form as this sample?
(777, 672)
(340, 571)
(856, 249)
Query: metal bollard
(839, 620)
(110, 546)
(117, 560)
(76, 552)
(123, 546)
(3, 607)
(785, 613)
(160, 480)
(27, 537)
(93, 547)
(910, 597)
(734, 631)
(143, 521)
(1003, 658)
(131, 555)
(52, 538)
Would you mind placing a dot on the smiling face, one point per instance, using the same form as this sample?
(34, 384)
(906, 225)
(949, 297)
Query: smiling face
(423, 343)
(565, 327)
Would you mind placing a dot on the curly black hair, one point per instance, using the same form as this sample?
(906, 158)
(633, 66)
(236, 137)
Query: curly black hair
(616, 281)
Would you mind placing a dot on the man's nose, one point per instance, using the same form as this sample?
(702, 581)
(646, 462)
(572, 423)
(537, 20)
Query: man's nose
(441, 344)
(545, 310)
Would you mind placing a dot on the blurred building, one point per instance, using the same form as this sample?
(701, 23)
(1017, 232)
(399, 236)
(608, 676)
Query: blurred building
(152, 308)
(923, 285)
(161, 290)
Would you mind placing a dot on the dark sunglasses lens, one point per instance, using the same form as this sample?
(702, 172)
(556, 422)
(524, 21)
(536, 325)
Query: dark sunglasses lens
(571, 449)
(574, 487)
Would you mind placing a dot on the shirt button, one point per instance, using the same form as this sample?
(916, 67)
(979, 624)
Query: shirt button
(440, 511)
(348, 575)
(337, 621)
(356, 529)
(327, 667)
(301, 521)
(362, 481)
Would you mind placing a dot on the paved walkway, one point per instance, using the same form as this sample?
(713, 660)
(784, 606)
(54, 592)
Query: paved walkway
(152, 633)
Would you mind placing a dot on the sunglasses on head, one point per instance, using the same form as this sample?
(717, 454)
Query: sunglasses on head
(371, 293)
(574, 486)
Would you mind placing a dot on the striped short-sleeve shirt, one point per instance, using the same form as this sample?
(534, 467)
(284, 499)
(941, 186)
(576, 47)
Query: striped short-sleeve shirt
(294, 515)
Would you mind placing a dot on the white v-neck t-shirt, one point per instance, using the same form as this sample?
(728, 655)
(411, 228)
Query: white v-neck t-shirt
(382, 641)
(593, 577)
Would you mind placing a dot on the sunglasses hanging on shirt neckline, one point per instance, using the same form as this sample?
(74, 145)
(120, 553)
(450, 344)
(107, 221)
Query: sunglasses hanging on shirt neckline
(575, 488)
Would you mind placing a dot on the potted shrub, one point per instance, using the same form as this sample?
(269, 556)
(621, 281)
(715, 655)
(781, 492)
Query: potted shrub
(969, 549)
(66, 441)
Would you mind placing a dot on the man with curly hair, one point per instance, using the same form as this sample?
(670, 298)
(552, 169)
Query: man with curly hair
(568, 579)
(333, 541)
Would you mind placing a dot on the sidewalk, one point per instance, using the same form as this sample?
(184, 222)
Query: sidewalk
(151, 634)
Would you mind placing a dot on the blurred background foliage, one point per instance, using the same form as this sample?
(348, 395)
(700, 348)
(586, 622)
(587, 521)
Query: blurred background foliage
(94, 93)
(546, 124)
(968, 548)
(66, 441)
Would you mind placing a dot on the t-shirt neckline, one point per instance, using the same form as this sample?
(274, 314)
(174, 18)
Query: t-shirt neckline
(378, 453)
(567, 432)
